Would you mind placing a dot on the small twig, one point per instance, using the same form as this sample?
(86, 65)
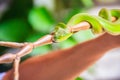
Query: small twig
(7, 58)
(12, 44)
(16, 68)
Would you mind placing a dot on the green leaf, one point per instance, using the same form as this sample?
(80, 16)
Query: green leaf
(13, 30)
(41, 20)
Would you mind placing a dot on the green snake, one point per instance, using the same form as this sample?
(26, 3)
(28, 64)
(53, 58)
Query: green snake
(102, 22)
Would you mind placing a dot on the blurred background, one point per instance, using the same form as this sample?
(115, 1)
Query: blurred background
(29, 20)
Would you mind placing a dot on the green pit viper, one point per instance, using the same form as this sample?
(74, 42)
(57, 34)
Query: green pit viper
(102, 22)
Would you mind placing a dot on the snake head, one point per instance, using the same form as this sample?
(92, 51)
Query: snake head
(61, 32)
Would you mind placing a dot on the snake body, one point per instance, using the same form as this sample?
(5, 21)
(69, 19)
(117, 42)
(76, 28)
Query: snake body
(99, 24)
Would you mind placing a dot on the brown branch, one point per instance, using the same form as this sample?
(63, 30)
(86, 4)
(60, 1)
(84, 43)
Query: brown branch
(26, 49)
(7, 58)
(80, 26)
(16, 68)
(12, 44)
(48, 39)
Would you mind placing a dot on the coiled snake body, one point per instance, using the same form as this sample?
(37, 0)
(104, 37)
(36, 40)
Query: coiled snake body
(100, 23)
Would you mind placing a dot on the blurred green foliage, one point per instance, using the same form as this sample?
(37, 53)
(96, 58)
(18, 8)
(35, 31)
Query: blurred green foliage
(13, 30)
(79, 78)
(23, 22)
(41, 19)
